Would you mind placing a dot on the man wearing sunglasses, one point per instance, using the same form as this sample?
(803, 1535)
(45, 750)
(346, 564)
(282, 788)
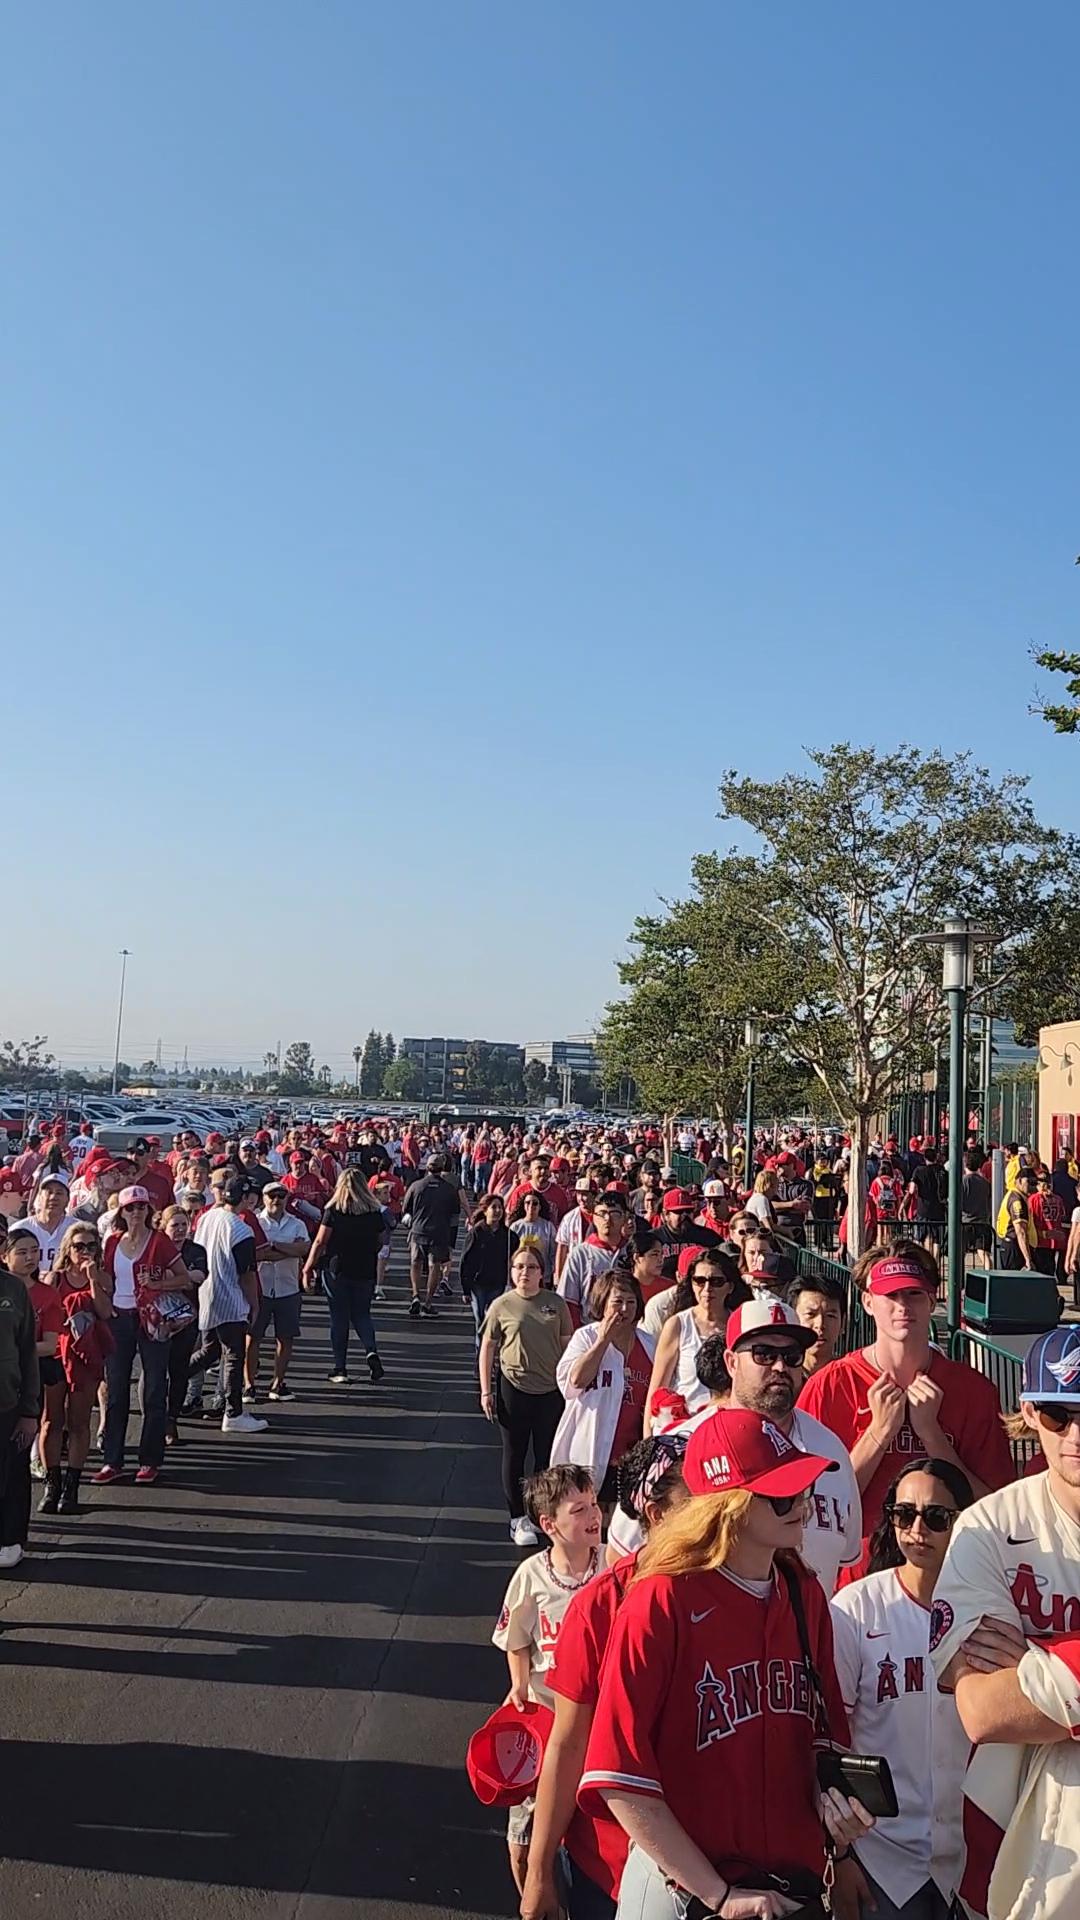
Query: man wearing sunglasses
(1005, 1638)
(765, 1350)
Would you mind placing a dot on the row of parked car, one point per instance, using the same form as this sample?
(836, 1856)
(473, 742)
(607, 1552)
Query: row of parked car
(117, 1123)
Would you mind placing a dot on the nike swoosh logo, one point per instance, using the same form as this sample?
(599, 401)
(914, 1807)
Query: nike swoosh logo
(697, 1618)
(1025, 1540)
(883, 1635)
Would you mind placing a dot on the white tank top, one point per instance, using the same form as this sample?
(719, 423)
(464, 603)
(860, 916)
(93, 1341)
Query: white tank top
(686, 1381)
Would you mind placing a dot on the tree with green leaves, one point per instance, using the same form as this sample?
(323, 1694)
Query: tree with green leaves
(371, 1066)
(389, 1050)
(1063, 718)
(696, 972)
(26, 1063)
(859, 858)
(535, 1077)
(402, 1079)
(298, 1069)
(478, 1068)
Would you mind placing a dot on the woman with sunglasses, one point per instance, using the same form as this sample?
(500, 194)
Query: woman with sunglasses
(881, 1630)
(177, 1223)
(703, 1742)
(702, 1303)
(531, 1225)
(77, 1284)
(138, 1260)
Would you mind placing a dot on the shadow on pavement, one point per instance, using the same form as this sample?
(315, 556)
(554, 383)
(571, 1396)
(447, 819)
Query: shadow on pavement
(234, 1818)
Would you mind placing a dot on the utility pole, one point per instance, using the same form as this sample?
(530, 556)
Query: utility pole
(124, 957)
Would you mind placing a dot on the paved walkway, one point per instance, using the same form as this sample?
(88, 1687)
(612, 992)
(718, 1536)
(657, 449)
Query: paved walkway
(247, 1691)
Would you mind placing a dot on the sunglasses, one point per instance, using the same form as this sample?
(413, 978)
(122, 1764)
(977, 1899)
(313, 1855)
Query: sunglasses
(768, 1356)
(1056, 1419)
(938, 1519)
(84, 1246)
(782, 1503)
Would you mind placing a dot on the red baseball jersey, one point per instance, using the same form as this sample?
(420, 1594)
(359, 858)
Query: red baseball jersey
(705, 1704)
(596, 1841)
(969, 1416)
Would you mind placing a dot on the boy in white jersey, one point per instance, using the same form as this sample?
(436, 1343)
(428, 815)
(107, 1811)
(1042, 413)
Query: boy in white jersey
(1006, 1639)
(562, 1503)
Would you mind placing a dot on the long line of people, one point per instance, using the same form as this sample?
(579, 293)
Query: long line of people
(176, 1266)
(748, 1473)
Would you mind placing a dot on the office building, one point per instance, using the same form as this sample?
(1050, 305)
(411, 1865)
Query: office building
(577, 1053)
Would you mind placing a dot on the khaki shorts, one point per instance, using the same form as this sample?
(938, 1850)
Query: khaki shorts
(519, 1823)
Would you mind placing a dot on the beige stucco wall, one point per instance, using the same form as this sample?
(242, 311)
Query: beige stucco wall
(1059, 1083)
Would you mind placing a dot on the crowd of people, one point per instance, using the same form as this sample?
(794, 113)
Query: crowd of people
(755, 1544)
(752, 1553)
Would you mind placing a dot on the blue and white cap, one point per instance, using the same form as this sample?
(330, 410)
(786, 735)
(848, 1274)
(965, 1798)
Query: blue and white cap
(1052, 1366)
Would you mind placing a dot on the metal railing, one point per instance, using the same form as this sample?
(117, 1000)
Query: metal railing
(812, 1264)
(1006, 1371)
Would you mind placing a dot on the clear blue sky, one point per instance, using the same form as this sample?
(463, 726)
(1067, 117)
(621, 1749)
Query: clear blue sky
(439, 439)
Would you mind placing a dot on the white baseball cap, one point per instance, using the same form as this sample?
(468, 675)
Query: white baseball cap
(765, 1313)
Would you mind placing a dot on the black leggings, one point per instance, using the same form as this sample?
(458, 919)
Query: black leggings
(524, 1417)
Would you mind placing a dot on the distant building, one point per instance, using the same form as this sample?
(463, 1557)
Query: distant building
(577, 1053)
(442, 1064)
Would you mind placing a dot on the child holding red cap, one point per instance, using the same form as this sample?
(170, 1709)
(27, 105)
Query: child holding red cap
(562, 1503)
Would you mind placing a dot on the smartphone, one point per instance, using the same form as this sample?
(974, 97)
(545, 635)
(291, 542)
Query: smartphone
(863, 1777)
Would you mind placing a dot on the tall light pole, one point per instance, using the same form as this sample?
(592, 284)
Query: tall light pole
(959, 941)
(119, 1015)
(751, 1041)
(358, 1054)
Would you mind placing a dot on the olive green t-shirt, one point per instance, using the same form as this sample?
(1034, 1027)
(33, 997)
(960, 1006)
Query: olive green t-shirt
(531, 1335)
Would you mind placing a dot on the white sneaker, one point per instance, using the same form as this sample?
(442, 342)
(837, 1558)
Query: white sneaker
(10, 1556)
(243, 1423)
(523, 1533)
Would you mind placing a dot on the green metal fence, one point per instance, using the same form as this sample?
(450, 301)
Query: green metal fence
(688, 1172)
(1006, 1370)
(811, 1264)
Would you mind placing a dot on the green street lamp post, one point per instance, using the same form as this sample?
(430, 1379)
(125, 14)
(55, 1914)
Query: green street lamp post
(751, 1041)
(959, 941)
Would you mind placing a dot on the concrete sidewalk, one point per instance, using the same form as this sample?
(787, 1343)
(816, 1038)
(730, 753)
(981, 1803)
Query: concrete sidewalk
(247, 1690)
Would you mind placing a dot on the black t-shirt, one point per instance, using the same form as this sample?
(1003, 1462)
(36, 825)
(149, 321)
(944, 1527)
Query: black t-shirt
(354, 1241)
(371, 1159)
(433, 1205)
(926, 1181)
(258, 1175)
(975, 1198)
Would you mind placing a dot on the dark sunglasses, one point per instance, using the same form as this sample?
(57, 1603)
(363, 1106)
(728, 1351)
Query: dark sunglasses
(782, 1503)
(768, 1356)
(938, 1519)
(84, 1246)
(1055, 1419)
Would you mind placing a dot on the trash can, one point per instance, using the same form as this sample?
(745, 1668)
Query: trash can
(1011, 1308)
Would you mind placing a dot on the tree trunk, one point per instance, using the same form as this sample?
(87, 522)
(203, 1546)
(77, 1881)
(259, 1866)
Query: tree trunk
(856, 1218)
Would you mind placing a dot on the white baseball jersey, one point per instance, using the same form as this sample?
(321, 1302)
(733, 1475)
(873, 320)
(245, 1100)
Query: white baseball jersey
(531, 1616)
(1016, 1556)
(881, 1642)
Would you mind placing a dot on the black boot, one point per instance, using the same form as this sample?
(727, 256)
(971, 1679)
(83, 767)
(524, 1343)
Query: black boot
(69, 1498)
(50, 1499)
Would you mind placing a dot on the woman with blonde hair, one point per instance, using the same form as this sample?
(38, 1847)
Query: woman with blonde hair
(766, 1188)
(348, 1241)
(703, 1743)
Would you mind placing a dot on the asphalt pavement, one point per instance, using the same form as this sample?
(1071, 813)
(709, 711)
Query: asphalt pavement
(247, 1690)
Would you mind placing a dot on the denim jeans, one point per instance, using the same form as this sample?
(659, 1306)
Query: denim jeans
(481, 1176)
(480, 1300)
(349, 1298)
(154, 1357)
(226, 1343)
(181, 1348)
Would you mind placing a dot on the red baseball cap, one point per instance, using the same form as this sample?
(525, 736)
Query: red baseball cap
(739, 1449)
(505, 1755)
(680, 1200)
(896, 1275)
